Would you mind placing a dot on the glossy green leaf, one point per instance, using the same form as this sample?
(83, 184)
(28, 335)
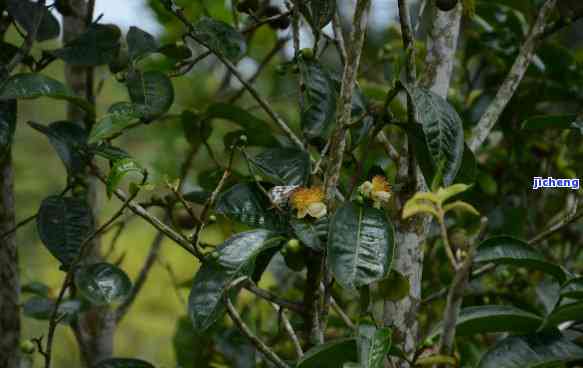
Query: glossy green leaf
(565, 121)
(257, 130)
(309, 232)
(69, 140)
(25, 13)
(360, 245)
(120, 169)
(443, 130)
(152, 89)
(542, 350)
(506, 250)
(123, 363)
(102, 283)
(63, 225)
(98, 45)
(318, 114)
(109, 152)
(220, 38)
(564, 313)
(120, 116)
(140, 43)
(318, 12)
(244, 202)
(283, 166)
(373, 345)
(35, 287)
(235, 257)
(573, 288)
(332, 354)
(31, 85)
(493, 318)
(7, 125)
(198, 196)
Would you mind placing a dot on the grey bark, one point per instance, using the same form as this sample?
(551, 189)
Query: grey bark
(96, 327)
(410, 235)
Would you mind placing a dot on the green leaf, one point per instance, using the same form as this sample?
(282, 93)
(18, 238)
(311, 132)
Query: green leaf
(373, 345)
(175, 52)
(41, 308)
(123, 363)
(332, 354)
(235, 257)
(542, 350)
(309, 233)
(506, 250)
(120, 116)
(102, 283)
(257, 130)
(197, 196)
(7, 125)
(550, 122)
(152, 89)
(98, 45)
(36, 288)
(564, 313)
(246, 203)
(191, 350)
(25, 13)
(31, 85)
(443, 130)
(283, 166)
(120, 169)
(573, 288)
(318, 12)
(68, 139)
(195, 129)
(360, 245)
(140, 43)
(109, 152)
(493, 318)
(63, 225)
(318, 114)
(220, 38)
(469, 168)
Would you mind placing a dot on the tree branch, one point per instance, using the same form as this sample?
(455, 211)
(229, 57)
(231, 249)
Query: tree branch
(513, 79)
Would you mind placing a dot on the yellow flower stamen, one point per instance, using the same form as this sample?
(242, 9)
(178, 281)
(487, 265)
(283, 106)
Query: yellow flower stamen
(309, 201)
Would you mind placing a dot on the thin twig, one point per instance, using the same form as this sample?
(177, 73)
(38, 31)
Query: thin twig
(245, 330)
(513, 79)
(289, 329)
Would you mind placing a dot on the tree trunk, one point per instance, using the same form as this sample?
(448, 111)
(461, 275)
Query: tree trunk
(95, 328)
(410, 235)
(9, 282)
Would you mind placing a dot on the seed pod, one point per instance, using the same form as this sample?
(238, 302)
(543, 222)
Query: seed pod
(445, 5)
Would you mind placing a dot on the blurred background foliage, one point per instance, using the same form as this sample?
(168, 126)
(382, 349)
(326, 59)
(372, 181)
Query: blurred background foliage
(504, 172)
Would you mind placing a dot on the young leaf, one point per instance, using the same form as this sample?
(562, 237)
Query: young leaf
(140, 43)
(373, 345)
(220, 38)
(360, 245)
(319, 109)
(123, 363)
(31, 85)
(493, 318)
(244, 202)
(119, 116)
(7, 125)
(63, 224)
(283, 166)
(332, 354)
(25, 13)
(98, 45)
(505, 250)
(443, 129)
(152, 89)
(235, 257)
(68, 139)
(545, 349)
(121, 169)
(102, 283)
